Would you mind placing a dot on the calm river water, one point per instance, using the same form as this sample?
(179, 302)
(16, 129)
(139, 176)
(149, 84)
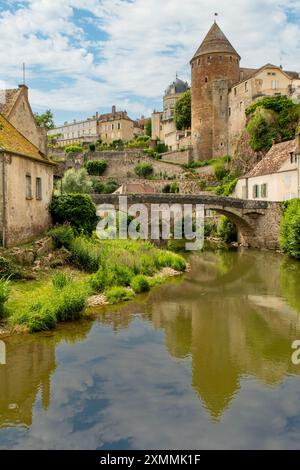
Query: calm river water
(201, 362)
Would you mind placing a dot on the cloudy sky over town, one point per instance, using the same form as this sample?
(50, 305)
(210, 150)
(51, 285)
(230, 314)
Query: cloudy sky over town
(82, 56)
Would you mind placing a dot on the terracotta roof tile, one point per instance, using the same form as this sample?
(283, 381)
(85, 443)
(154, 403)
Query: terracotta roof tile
(12, 141)
(274, 159)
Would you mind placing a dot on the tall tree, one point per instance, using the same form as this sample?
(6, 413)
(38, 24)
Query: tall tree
(45, 120)
(183, 111)
(148, 127)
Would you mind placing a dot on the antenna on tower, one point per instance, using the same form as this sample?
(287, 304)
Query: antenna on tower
(216, 15)
(24, 73)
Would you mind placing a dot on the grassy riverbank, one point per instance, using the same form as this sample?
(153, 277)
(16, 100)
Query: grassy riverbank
(107, 271)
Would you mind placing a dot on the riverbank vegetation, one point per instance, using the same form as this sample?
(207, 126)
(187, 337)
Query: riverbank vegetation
(290, 228)
(114, 270)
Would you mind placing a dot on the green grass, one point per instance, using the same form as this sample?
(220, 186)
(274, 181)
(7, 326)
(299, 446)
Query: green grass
(140, 284)
(118, 294)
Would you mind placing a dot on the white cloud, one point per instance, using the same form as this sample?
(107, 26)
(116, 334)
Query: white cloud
(145, 43)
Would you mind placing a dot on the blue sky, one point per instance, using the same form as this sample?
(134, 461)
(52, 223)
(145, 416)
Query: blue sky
(83, 56)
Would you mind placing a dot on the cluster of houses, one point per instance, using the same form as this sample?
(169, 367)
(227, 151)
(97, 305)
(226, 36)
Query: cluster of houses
(27, 173)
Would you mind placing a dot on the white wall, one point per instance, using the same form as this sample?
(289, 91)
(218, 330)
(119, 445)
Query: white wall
(281, 186)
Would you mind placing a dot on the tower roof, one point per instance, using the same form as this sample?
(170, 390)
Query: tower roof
(176, 87)
(214, 42)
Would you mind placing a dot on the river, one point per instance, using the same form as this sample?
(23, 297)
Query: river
(202, 362)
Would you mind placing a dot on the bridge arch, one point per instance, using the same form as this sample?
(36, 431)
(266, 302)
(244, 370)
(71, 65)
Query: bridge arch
(257, 221)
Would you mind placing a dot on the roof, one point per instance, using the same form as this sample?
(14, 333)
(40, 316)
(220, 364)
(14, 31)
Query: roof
(179, 86)
(8, 99)
(114, 116)
(250, 73)
(135, 188)
(11, 140)
(215, 42)
(273, 160)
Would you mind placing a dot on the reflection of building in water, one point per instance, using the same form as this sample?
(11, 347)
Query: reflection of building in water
(27, 371)
(214, 318)
(30, 362)
(2, 352)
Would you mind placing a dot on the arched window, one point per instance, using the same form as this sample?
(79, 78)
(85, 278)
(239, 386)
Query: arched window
(206, 79)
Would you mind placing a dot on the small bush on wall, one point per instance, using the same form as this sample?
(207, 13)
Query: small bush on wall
(96, 167)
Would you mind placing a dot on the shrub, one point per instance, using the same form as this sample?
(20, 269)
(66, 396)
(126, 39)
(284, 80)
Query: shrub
(118, 294)
(92, 147)
(73, 148)
(76, 181)
(4, 294)
(172, 260)
(210, 228)
(86, 254)
(144, 170)
(161, 148)
(171, 188)
(227, 230)
(202, 183)
(140, 284)
(62, 236)
(220, 170)
(290, 228)
(78, 210)
(65, 304)
(96, 167)
(61, 280)
(9, 269)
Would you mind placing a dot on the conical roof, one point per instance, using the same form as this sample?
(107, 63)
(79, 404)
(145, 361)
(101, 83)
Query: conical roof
(215, 42)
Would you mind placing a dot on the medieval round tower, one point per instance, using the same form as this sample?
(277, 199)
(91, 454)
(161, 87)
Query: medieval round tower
(214, 68)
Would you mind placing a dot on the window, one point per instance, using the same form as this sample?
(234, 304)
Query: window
(112, 127)
(221, 98)
(38, 188)
(274, 84)
(264, 190)
(241, 105)
(206, 79)
(28, 187)
(235, 92)
(255, 191)
(209, 59)
(230, 59)
(229, 111)
(220, 58)
(293, 158)
(246, 86)
(119, 125)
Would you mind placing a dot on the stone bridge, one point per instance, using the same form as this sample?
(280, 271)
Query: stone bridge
(257, 222)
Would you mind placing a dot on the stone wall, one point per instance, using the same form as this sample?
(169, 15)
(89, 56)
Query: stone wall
(179, 157)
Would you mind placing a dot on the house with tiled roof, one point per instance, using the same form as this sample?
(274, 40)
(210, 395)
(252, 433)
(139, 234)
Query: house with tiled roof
(15, 107)
(26, 186)
(276, 177)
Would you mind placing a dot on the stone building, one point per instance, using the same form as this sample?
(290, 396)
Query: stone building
(26, 185)
(163, 122)
(276, 177)
(76, 132)
(105, 127)
(15, 107)
(222, 90)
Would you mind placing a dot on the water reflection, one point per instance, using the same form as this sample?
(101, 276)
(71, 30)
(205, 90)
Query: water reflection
(183, 357)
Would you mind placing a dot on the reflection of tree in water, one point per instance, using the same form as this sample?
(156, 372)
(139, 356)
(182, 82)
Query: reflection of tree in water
(231, 322)
(30, 362)
(290, 282)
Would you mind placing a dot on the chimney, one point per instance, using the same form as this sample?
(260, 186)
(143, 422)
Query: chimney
(25, 89)
(97, 115)
(113, 110)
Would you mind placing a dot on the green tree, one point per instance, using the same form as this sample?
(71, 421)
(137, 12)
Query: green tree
(183, 111)
(76, 181)
(78, 210)
(148, 127)
(45, 120)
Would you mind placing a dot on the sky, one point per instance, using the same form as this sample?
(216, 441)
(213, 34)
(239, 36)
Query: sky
(84, 56)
